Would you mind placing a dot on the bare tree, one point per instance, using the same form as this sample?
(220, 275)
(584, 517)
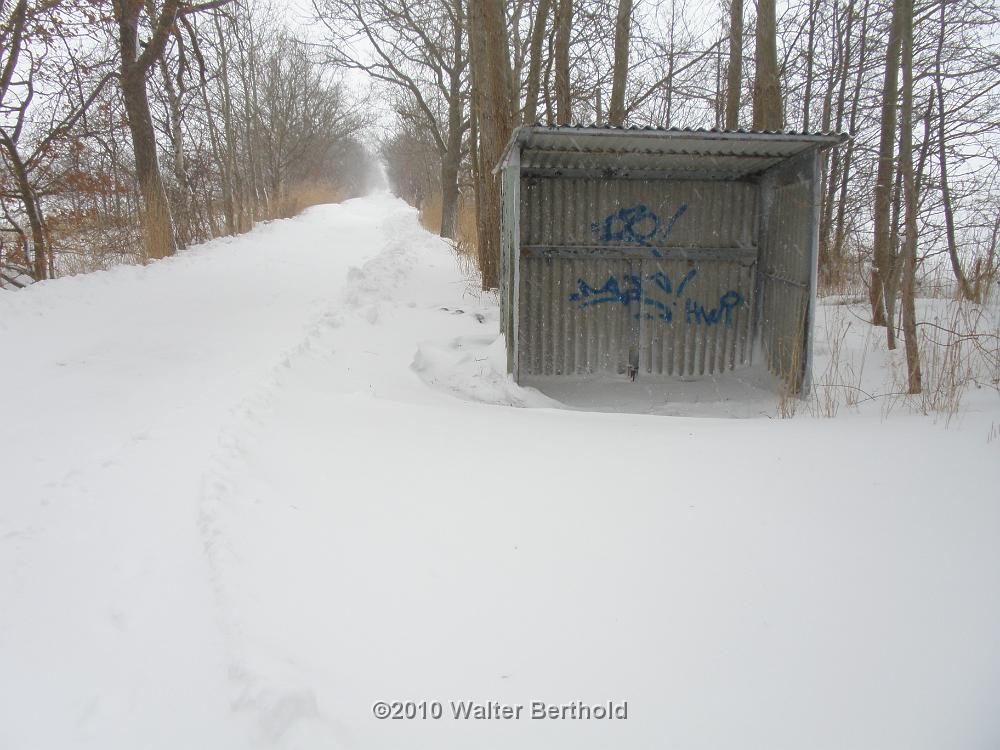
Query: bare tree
(564, 28)
(904, 9)
(157, 222)
(734, 76)
(25, 40)
(882, 306)
(491, 100)
(616, 114)
(420, 52)
(964, 286)
(767, 107)
(536, 43)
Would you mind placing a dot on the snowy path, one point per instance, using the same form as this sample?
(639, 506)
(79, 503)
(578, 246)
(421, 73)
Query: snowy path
(117, 386)
(236, 514)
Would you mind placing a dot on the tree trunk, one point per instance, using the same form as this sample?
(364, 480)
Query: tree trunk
(564, 27)
(735, 71)
(890, 281)
(904, 8)
(882, 250)
(949, 214)
(451, 159)
(719, 102)
(223, 143)
(535, 62)
(547, 81)
(183, 217)
(767, 108)
(837, 254)
(491, 79)
(449, 183)
(36, 221)
(477, 180)
(157, 223)
(616, 113)
(810, 47)
(836, 158)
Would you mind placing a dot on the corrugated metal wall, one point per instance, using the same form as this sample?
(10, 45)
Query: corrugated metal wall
(571, 211)
(509, 228)
(695, 345)
(787, 268)
(651, 275)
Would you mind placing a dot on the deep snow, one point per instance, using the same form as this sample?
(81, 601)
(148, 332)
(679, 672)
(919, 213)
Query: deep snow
(251, 490)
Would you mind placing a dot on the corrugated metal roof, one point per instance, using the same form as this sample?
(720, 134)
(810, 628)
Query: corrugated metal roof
(538, 126)
(666, 152)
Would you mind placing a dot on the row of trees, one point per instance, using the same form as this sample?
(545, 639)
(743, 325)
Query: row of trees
(915, 84)
(129, 128)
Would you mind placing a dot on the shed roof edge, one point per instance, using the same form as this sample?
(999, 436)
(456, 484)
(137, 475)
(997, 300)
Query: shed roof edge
(522, 133)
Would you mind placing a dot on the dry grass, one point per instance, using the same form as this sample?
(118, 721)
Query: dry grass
(791, 394)
(88, 241)
(430, 213)
(842, 381)
(85, 241)
(465, 240)
(465, 231)
(959, 344)
(298, 197)
(960, 350)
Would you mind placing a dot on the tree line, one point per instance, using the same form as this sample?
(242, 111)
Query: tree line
(132, 128)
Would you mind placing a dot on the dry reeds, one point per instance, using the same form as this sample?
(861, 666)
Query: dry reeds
(464, 242)
(298, 197)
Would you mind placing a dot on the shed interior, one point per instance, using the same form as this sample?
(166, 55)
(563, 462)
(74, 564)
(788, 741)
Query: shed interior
(659, 253)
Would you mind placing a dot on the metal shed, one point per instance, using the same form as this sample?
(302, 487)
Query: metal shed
(659, 252)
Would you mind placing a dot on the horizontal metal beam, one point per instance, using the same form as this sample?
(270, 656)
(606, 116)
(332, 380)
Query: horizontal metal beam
(532, 151)
(784, 280)
(745, 255)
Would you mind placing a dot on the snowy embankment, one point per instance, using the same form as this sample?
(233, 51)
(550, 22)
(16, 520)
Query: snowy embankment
(242, 503)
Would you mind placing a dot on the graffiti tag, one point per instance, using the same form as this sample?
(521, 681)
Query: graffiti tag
(639, 290)
(635, 224)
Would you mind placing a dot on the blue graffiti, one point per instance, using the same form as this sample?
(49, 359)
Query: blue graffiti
(610, 292)
(635, 224)
(677, 214)
(630, 289)
(695, 313)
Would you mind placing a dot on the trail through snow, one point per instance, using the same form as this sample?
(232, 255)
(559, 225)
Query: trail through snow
(251, 490)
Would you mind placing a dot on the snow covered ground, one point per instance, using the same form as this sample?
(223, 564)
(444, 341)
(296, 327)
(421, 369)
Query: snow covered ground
(250, 491)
